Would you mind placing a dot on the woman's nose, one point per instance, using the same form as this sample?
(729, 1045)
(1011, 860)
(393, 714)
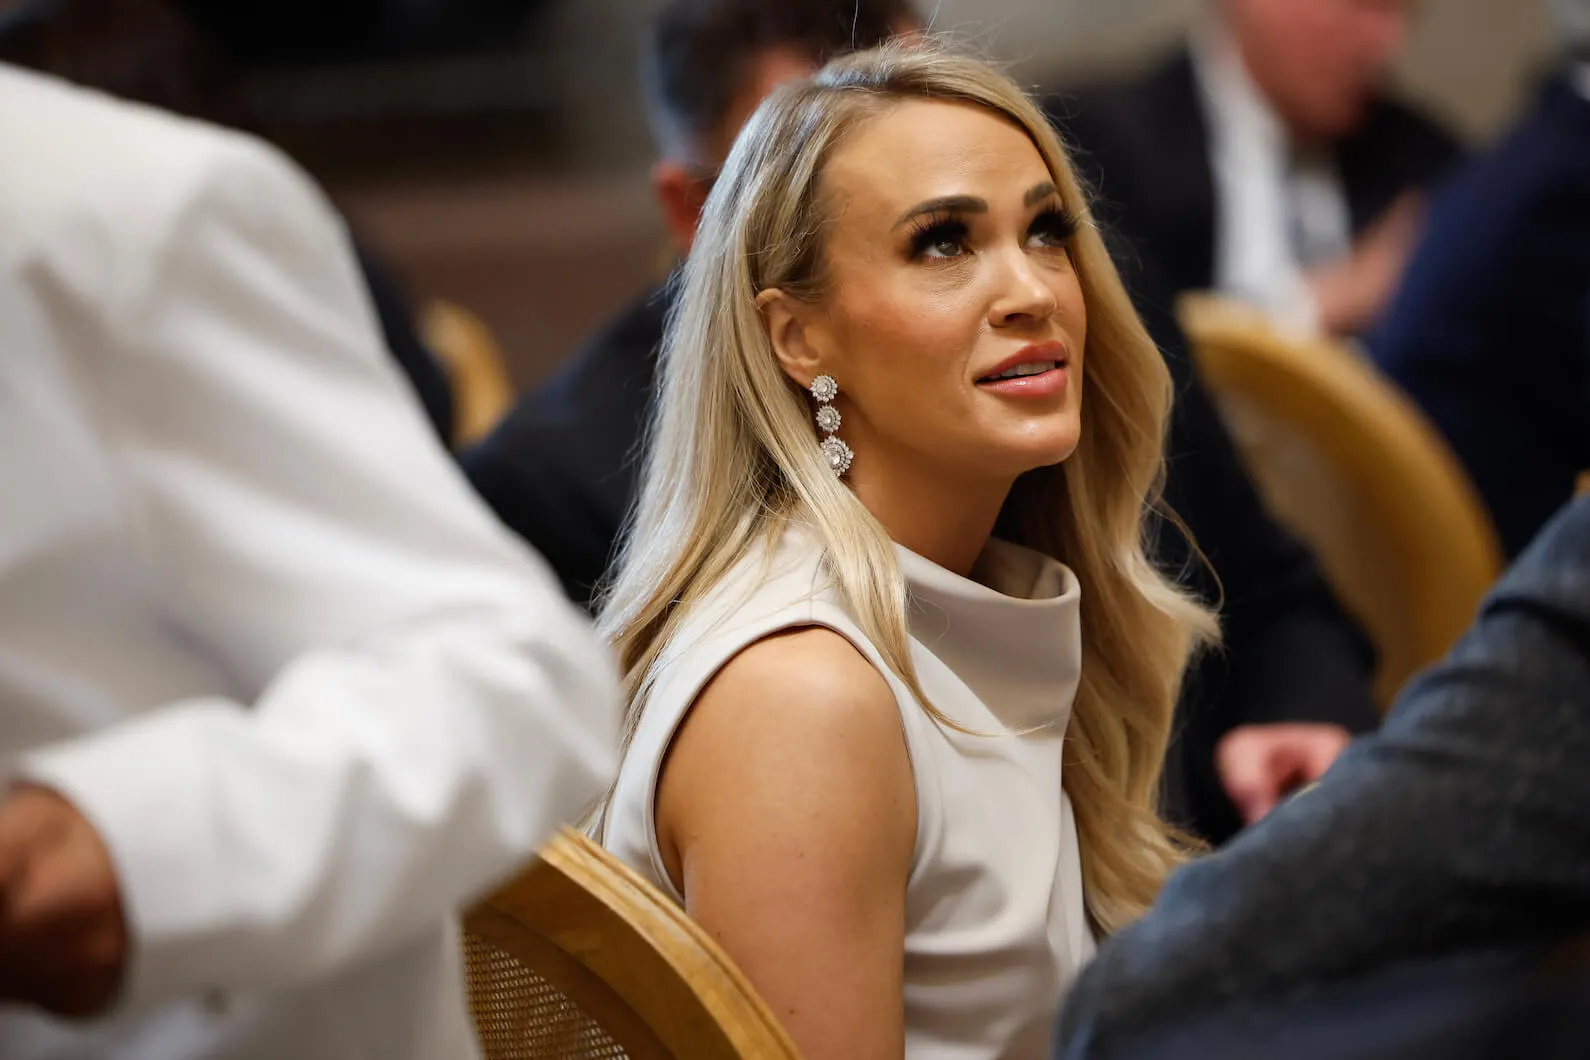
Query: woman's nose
(1023, 292)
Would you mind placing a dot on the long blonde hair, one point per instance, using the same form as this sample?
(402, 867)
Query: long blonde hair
(733, 458)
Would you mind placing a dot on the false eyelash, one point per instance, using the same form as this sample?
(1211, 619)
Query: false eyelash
(1055, 223)
(936, 228)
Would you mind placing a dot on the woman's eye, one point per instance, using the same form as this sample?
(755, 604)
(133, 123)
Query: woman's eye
(1052, 231)
(946, 239)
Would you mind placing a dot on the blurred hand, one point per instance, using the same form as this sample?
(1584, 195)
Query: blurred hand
(1353, 293)
(63, 934)
(1260, 765)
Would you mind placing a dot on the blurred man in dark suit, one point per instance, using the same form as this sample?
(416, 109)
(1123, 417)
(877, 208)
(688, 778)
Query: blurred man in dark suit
(1451, 844)
(1490, 332)
(1266, 160)
(1269, 711)
(561, 468)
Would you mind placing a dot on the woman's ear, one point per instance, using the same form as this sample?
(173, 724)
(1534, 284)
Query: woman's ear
(788, 330)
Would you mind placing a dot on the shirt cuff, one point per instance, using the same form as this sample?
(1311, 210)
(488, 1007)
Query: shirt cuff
(143, 785)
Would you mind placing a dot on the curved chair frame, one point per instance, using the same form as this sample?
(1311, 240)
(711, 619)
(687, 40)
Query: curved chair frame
(629, 957)
(1404, 477)
(482, 391)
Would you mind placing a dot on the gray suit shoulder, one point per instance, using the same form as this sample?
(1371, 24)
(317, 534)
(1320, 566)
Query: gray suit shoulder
(1458, 826)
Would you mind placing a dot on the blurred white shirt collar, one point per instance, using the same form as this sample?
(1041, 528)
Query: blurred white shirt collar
(1271, 208)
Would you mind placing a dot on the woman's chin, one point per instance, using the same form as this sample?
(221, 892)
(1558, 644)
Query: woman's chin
(1046, 451)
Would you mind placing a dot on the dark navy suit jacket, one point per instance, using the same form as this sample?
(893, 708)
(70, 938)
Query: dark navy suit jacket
(1490, 333)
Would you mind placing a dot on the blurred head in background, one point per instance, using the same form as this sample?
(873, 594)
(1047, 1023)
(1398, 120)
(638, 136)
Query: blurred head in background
(710, 63)
(1320, 63)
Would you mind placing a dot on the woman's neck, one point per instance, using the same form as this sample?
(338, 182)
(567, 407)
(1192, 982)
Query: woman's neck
(942, 519)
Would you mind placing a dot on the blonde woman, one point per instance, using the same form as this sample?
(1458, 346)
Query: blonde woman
(900, 675)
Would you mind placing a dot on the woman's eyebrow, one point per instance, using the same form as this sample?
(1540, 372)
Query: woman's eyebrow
(971, 203)
(945, 204)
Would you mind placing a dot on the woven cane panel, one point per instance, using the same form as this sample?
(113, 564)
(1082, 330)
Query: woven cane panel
(521, 1016)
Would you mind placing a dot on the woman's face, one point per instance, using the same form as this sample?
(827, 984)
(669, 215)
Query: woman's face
(953, 320)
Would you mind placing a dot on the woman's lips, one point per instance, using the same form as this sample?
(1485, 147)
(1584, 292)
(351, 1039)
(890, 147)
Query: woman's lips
(1054, 381)
(1038, 384)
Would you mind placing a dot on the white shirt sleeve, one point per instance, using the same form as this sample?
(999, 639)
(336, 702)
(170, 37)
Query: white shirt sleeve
(426, 707)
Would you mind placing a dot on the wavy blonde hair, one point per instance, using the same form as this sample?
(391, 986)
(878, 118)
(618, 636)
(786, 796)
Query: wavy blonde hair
(733, 459)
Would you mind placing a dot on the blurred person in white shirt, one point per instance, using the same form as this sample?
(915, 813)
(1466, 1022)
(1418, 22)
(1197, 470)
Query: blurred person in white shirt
(277, 694)
(1270, 157)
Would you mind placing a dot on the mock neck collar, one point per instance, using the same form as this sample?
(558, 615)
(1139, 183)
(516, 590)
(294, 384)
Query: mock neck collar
(1014, 636)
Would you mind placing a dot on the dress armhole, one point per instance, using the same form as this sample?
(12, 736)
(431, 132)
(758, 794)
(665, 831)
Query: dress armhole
(687, 687)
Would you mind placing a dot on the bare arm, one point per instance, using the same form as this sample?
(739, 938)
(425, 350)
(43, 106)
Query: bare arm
(786, 814)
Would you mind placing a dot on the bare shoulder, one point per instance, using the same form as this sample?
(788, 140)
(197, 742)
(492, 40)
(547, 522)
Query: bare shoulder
(812, 666)
(807, 689)
(798, 733)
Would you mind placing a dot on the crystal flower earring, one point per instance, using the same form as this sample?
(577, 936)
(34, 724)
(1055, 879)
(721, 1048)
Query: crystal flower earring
(835, 451)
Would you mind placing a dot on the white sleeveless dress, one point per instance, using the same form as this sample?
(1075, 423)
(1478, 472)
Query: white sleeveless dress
(995, 928)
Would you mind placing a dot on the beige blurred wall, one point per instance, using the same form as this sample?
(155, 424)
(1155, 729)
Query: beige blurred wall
(1476, 60)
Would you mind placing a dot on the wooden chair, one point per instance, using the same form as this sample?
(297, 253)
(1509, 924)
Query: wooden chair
(482, 391)
(1356, 469)
(581, 959)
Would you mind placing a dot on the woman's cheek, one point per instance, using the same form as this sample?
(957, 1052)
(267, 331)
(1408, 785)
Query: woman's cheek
(935, 321)
(914, 322)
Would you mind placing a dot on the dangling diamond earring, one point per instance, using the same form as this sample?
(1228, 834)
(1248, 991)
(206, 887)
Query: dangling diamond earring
(835, 451)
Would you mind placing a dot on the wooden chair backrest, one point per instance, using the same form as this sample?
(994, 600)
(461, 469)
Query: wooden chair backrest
(482, 390)
(579, 958)
(1356, 469)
